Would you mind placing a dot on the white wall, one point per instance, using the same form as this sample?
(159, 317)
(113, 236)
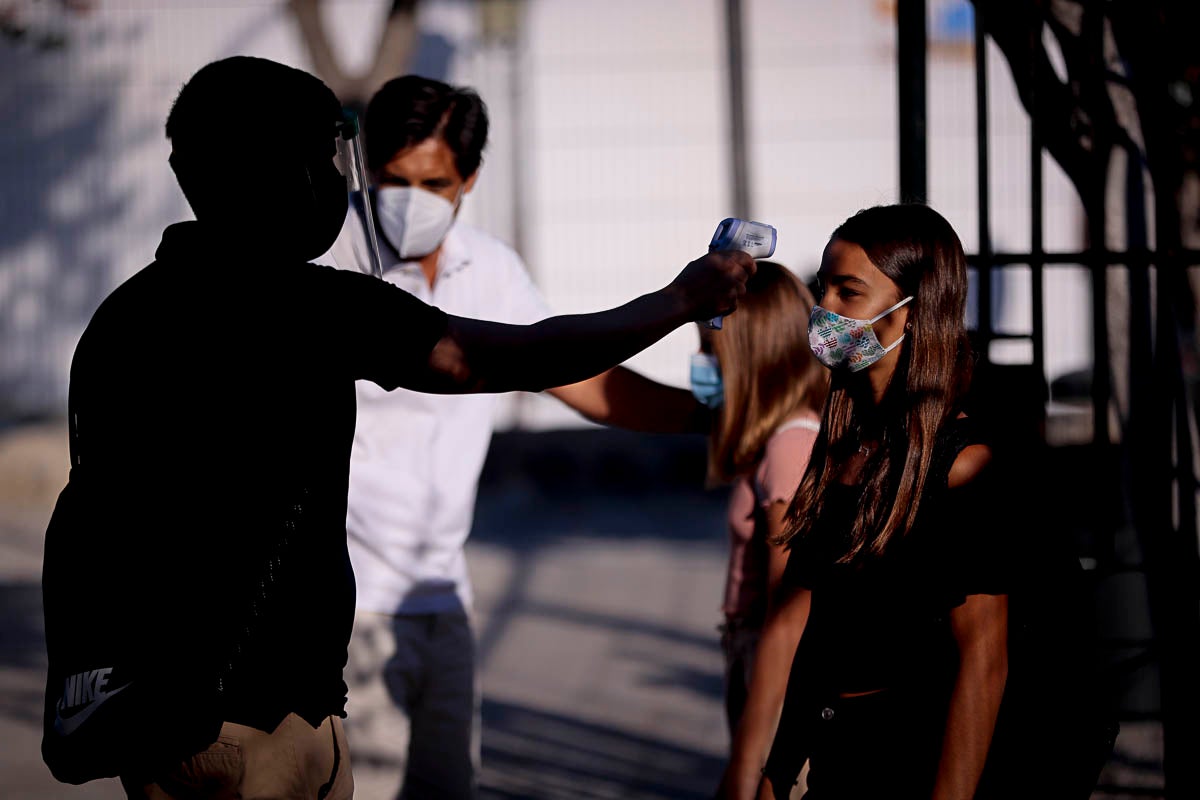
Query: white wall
(626, 153)
(608, 165)
(85, 189)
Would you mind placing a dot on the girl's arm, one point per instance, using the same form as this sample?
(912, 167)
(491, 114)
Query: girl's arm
(768, 684)
(786, 459)
(786, 620)
(980, 627)
(777, 554)
(626, 399)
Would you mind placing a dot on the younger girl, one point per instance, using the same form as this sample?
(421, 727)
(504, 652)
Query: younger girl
(767, 387)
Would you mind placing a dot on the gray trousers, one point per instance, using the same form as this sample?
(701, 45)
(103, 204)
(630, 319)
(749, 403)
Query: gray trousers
(413, 710)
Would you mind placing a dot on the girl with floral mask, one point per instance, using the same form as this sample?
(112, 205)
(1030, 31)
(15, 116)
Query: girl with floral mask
(767, 388)
(894, 587)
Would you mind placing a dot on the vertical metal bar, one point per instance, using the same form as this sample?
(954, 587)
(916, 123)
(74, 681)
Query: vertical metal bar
(984, 264)
(1092, 35)
(515, 46)
(1037, 244)
(1101, 374)
(1097, 261)
(737, 109)
(1175, 293)
(911, 97)
(513, 41)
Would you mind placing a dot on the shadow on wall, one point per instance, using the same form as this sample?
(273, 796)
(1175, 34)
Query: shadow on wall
(60, 204)
(431, 58)
(401, 48)
(66, 198)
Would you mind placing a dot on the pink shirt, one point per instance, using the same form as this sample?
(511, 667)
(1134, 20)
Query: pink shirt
(774, 480)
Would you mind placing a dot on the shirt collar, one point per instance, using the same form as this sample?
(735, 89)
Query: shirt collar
(456, 256)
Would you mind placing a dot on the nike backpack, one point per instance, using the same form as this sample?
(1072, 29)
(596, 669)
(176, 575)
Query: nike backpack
(110, 710)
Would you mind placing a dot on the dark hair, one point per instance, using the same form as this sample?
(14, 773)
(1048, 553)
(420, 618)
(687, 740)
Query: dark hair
(919, 251)
(768, 370)
(410, 109)
(245, 113)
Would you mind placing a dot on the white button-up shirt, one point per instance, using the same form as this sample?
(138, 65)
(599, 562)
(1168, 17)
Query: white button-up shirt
(417, 457)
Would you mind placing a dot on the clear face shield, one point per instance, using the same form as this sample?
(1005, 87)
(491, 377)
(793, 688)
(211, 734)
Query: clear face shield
(353, 166)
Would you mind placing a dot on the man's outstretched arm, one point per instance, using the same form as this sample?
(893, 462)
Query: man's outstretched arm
(478, 356)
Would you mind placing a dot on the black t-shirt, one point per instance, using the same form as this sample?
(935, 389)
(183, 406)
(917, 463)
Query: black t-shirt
(212, 410)
(883, 622)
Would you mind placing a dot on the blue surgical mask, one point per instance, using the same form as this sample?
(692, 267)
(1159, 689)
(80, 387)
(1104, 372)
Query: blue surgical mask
(706, 380)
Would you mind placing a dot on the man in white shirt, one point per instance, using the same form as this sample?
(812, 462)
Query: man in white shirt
(413, 710)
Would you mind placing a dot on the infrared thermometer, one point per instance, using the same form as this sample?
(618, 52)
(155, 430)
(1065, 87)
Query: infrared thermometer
(756, 239)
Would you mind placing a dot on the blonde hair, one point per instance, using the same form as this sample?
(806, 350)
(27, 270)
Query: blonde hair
(767, 368)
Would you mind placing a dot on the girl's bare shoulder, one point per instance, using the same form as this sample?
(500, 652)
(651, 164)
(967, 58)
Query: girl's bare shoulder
(970, 463)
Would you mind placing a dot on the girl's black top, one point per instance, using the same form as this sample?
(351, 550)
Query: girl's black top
(884, 623)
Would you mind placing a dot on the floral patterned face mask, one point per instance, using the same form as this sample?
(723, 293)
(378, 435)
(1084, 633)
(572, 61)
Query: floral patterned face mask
(846, 343)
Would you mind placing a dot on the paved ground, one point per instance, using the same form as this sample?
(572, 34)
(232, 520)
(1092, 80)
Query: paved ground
(598, 566)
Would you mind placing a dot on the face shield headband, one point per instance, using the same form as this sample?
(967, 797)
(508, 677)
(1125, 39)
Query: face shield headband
(352, 165)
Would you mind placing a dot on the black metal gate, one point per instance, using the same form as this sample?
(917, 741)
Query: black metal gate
(1130, 489)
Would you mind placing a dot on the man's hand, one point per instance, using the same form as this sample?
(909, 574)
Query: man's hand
(711, 285)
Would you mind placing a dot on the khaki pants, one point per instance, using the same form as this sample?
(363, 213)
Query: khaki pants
(292, 762)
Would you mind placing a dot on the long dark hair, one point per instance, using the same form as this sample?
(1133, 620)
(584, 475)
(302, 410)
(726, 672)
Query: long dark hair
(917, 248)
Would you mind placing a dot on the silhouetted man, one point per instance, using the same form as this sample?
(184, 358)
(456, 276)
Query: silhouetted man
(196, 584)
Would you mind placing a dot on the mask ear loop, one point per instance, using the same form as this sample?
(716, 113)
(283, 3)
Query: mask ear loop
(894, 344)
(887, 311)
(883, 314)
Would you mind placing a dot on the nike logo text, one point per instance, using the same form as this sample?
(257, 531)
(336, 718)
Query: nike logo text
(84, 692)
